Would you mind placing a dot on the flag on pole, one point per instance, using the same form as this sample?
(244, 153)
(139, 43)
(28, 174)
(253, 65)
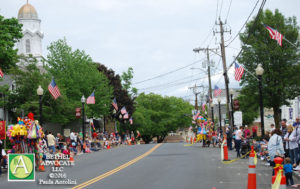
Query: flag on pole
(91, 99)
(239, 71)
(217, 91)
(53, 89)
(274, 34)
(126, 116)
(131, 121)
(123, 110)
(1, 73)
(114, 103)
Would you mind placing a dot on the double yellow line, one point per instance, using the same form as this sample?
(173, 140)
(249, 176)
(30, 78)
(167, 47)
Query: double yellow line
(100, 177)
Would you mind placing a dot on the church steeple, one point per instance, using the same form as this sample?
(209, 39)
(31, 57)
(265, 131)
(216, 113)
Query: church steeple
(31, 43)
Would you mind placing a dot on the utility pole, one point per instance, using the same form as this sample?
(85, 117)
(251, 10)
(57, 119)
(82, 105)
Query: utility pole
(196, 94)
(225, 68)
(209, 78)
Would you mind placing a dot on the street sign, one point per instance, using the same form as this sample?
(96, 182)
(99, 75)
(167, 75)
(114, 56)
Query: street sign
(78, 112)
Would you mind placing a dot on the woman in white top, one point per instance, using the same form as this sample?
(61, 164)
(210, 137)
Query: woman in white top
(275, 146)
(291, 143)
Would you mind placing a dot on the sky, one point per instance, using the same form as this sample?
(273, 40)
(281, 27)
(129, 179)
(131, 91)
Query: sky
(153, 37)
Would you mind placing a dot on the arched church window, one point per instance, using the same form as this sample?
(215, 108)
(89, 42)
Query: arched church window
(27, 46)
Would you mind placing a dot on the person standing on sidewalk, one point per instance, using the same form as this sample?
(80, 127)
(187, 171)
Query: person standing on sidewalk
(275, 146)
(288, 171)
(238, 140)
(291, 144)
(284, 131)
(51, 142)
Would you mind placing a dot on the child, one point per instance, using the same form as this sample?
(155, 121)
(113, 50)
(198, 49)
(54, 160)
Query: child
(288, 171)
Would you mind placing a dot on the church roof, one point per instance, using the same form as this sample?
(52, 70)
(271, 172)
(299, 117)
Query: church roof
(27, 11)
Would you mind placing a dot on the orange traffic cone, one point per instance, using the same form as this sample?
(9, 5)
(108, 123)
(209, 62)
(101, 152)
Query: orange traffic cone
(71, 157)
(279, 170)
(225, 148)
(108, 147)
(251, 171)
(41, 166)
(56, 163)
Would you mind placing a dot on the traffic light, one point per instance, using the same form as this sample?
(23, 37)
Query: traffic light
(236, 105)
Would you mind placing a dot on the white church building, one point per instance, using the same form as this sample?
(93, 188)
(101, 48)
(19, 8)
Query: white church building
(31, 43)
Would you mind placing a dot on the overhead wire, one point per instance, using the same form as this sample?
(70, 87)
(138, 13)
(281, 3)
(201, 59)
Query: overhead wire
(228, 11)
(243, 24)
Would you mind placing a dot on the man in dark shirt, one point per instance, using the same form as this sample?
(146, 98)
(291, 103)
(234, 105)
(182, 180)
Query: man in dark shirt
(284, 131)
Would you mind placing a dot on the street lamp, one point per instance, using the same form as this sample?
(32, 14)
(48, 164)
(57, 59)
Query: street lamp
(231, 97)
(220, 119)
(40, 92)
(83, 117)
(259, 72)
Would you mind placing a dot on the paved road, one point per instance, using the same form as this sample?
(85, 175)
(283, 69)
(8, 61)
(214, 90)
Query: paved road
(169, 166)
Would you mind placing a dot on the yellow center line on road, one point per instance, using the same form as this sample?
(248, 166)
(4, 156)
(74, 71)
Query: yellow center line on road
(111, 172)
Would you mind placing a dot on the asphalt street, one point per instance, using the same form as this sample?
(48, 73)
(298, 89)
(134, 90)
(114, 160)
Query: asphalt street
(171, 165)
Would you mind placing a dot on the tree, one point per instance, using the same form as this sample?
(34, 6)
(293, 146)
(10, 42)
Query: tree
(77, 75)
(10, 33)
(156, 116)
(281, 64)
(120, 93)
(127, 82)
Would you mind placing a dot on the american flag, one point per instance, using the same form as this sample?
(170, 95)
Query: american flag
(131, 121)
(123, 110)
(1, 73)
(274, 34)
(239, 71)
(114, 103)
(53, 89)
(217, 91)
(126, 116)
(91, 99)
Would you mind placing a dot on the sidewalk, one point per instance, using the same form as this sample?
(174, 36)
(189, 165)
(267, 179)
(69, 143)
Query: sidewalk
(235, 175)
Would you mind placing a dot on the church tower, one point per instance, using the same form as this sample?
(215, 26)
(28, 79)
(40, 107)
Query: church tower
(31, 43)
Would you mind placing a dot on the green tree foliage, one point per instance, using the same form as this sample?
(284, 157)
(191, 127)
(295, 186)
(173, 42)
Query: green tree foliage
(74, 74)
(119, 92)
(281, 64)
(77, 75)
(156, 116)
(10, 33)
(127, 82)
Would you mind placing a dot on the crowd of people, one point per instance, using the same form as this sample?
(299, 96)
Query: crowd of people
(75, 145)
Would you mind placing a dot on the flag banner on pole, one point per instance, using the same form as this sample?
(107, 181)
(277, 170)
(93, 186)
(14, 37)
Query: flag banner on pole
(2, 130)
(114, 103)
(123, 110)
(238, 71)
(91, 99)
(53, 89)
(274, 34)
(1, 73)
(203, 107)
(217, 91)
(131, 121)
(126, 116)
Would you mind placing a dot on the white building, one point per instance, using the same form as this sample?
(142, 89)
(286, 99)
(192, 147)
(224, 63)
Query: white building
(291, 112)
(31, 43)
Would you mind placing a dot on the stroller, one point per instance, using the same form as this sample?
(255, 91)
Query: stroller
(245, 147)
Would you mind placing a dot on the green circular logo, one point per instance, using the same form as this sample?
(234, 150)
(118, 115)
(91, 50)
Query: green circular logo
(21, 166)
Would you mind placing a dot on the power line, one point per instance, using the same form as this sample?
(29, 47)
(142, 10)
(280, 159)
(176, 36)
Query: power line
(170, 72)
(221, 8)
(243, 24)
(228, 11)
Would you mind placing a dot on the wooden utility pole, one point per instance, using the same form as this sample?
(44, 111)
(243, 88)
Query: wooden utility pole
(225, 68)
(209, 78)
